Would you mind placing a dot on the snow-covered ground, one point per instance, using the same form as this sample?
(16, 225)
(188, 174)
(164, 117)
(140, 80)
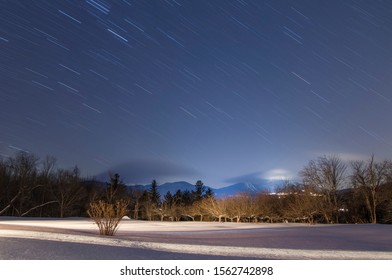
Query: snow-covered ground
(77, 238)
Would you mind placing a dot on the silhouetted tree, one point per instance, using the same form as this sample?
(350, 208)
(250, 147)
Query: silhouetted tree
(20, 184)
(367, 179)
(154, 194)
(115, 190)
(199, 191)
(146, 206)
(327, 174)
(209, 193)
(168, 199)
(68, 191)
(136, 203)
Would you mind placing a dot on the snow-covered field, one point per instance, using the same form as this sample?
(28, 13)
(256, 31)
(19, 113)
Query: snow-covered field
(77, 238)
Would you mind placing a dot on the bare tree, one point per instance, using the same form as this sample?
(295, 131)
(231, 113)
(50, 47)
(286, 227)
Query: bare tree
(46, 179)
(367, 178)
(269, 207)
(48, 166)
(215, 207)
(327, 174)
(302, 204)
(67, 190)
(237, 207)
(107, 216)
(5, 191)
(147, 206)
(197, 209)
(136, 196)
(19, 183)
(23, 170)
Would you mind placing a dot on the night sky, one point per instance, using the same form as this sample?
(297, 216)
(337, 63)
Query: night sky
(222, 91)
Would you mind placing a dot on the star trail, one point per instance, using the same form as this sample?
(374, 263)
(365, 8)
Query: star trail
(188, 90)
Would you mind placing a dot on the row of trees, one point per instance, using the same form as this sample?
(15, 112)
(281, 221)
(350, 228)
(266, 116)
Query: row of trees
(149, 205)
(33, 187)
(29, 186)
(363, 188)
(331, 191)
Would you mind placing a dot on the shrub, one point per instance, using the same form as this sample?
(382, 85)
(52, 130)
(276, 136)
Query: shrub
(107, 216)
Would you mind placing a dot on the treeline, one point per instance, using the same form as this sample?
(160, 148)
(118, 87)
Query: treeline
(33, 187)
(330, 191)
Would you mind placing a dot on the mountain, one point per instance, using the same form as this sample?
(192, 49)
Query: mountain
(173, 187)
(235, 189)
(164, 188)
(265, 186)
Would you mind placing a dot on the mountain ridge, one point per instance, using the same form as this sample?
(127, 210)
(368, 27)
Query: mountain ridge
(231, 190)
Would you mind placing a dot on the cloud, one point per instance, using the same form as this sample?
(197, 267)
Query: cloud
(144, 171)
(278, 174)
(260, 177)
(254, 178)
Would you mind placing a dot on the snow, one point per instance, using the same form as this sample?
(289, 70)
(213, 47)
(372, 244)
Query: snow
(148, 236)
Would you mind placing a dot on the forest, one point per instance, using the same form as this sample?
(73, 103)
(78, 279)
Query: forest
(329, 191)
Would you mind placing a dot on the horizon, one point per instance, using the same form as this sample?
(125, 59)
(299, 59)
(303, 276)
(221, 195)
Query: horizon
(223, 92)
(277, 181)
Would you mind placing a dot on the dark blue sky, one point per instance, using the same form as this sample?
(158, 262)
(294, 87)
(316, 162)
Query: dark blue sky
(222, 91)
